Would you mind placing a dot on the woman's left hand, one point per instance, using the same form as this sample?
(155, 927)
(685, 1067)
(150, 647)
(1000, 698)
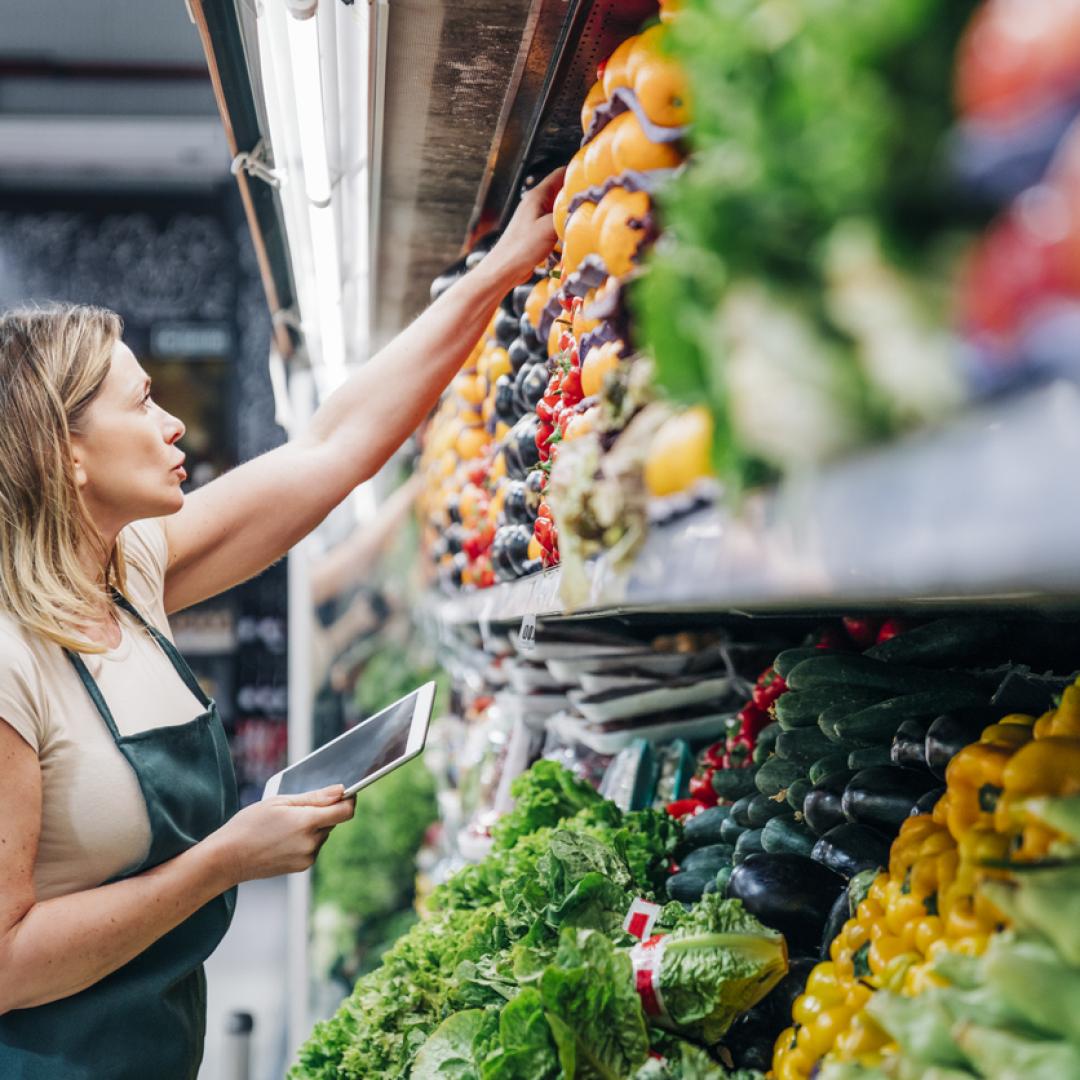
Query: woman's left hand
(530, 236)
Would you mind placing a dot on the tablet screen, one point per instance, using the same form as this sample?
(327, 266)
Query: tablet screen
(377, 742)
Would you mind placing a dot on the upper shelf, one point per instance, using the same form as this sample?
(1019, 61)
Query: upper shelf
(982, 511)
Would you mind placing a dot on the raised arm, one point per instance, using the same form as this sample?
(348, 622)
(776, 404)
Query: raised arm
(242, 522)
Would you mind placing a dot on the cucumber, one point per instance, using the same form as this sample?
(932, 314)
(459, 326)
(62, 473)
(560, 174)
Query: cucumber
(803, 746)
(878, 723)
(731, 830)
(704, 828)
(830, 763)
(801, 708)
(789, 658)
(762, 809)
(739, 810)
(868, 757)
(828, 718)
(734, 783)
(862, 671)
(722, 878)
(688, 887)
(778, 775)
(765, 743)
(787, 834)
(948, 642)
(749, 844)
(708, 859)
(711, 887)
(796, 794)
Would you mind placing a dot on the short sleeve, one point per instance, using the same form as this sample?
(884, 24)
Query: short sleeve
(20, 690)
(146, 552)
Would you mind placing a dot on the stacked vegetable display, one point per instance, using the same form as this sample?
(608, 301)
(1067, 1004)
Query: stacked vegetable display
(947, 888)
(554, 365)
(525, 970)
(857, 755)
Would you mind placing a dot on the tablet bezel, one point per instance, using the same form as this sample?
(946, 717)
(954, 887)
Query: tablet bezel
(418, 728)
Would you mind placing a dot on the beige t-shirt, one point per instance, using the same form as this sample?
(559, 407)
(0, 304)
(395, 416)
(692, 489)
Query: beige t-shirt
(94, 823)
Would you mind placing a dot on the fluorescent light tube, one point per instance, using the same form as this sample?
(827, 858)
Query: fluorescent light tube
(307, 85)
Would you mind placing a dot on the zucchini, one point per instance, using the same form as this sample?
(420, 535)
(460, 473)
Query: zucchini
(838, 916)
(763, 809)
(708, 859)
(749, 844)
(739, 810)
(849, 849)
(730, 831)
(949, 733)
(803, 745)
(734, 783)
(778, 775)
(949, 642)
(787, 660)
(822, 809)
(801, 708)
(862, 671)
(704, 828)
(787, 834)
(868, 756)
(908, 745)
(878, 723)
(796, 794)
(830, 763)
(688, 887)
(884, 796)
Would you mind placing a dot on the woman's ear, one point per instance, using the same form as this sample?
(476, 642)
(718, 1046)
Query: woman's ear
(79, 468)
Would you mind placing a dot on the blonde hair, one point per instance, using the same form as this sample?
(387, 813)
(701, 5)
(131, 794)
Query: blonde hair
(53, 362)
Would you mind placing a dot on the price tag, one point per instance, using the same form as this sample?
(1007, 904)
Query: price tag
(641, 918)
(487, 639)
(526, 642)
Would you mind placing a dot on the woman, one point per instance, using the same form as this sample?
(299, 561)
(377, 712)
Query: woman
(120, 847)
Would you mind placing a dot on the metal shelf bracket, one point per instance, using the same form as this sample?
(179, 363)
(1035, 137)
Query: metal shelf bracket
(256, 162)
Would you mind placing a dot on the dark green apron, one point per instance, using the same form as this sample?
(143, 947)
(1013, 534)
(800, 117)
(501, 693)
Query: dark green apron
(147, 1020)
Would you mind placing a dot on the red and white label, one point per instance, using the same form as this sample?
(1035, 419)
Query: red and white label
(641, 918)
(646, 959)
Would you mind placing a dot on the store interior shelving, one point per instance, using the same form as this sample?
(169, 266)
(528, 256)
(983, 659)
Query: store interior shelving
(989, 527)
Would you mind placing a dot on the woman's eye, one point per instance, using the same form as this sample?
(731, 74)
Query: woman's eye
(146, 401)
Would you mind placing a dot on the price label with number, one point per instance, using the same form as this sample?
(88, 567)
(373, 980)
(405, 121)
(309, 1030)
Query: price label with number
(527, 634)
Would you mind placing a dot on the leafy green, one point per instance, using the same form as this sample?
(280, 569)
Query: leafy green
(451, 1049)
(543, 796)
(593, 1007)
(717, 963)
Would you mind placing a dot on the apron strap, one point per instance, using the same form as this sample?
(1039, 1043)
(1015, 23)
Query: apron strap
(95, 693)
(167, 647)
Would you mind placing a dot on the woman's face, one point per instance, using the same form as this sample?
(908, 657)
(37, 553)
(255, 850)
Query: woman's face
(127, 462)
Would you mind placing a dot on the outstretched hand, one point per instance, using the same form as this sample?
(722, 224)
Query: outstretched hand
(530, 236)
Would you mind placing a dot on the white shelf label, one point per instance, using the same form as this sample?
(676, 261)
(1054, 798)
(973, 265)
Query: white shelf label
(527, 634)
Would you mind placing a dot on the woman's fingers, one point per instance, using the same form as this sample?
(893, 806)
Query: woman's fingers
(322, 797)
(548, 189)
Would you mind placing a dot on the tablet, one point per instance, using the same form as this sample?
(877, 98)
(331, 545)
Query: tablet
(364, 753)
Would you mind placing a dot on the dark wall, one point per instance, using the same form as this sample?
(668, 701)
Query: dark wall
(181, 271)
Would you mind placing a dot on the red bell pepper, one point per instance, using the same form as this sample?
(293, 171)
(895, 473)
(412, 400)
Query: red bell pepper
(684, 808)
(701, 788)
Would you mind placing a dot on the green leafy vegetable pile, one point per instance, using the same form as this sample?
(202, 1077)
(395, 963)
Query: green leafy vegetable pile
(523, 969)
(800, 286)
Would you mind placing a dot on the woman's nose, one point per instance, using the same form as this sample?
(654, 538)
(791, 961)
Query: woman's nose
(174, 428)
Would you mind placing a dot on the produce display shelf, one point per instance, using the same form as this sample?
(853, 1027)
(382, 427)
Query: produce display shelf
(981, 511)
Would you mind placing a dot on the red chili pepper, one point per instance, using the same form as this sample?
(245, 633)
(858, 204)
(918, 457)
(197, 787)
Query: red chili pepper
(861, 630)
(571, 387)
(600, 68)
(543, 410)
(566, 340)
(543, 435)
(832, 638)
(740, 748)
(751, 720)
(701, 788)
(684, 808)
(714, 755)
(890, 628)
(543, 528)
